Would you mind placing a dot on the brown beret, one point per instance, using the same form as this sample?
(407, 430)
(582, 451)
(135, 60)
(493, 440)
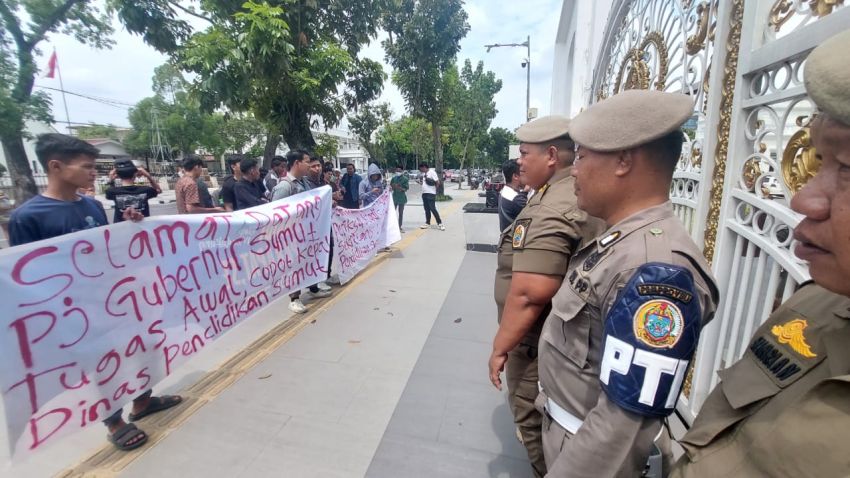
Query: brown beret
(544, 129)
(629, 119)
(827, 73)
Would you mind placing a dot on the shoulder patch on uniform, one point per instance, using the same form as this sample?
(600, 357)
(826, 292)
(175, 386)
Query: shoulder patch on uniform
(520, 230)
(592, 260)
(791, 334)
(609, 239)
(658, 323)
(664, 290)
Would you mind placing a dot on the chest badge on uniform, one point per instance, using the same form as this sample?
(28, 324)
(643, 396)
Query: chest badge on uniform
(659, 323)
(609, 239)
(791, 333)
(592, 260)
(520, 230)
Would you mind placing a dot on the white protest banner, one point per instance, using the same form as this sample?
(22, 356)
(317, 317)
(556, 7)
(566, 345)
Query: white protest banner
(91, 320)
(360, 233)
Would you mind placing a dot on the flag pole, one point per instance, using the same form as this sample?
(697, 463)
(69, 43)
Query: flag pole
(62, 89)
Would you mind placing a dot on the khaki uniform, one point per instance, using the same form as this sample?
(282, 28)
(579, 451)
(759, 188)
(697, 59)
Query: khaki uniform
(783, 410)
(610, 440)
(540, 241)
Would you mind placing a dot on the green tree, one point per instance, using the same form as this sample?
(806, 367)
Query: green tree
(240, 132)
(24, 24)
(406, 142)
(472, 111)
(98, 131)
(327, 146)
(285, 62)
(497, 144)
(423, 43)
(167, 81)
(366, 121)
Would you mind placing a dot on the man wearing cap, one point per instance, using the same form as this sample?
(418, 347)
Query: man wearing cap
(534, 252)
(784, 408)
(625, 322)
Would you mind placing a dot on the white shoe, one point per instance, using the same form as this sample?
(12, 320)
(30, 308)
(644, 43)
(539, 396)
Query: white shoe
(442, 227)
(321, 294)
(425, 226)
(334, 279)
(323, 286)
(297, 306)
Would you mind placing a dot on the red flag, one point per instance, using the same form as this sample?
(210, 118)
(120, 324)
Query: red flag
(51, 65)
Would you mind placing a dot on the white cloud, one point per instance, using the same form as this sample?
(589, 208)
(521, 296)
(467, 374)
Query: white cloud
(124, 72)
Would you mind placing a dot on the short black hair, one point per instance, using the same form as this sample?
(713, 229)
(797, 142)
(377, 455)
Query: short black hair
(351, 164)
(232, 159)
(327, 168)
(192, 161)
(509, 168)
(277, 161)
(423, 165)
(247, 164)
(294, 156)
(62, 147)
(668, 149)
(125, 169)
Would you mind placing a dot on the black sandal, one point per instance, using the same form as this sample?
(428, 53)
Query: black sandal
(124, 435)
(157, 404)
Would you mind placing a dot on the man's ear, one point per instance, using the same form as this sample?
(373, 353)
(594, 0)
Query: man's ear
(625, 163)
(552, 156)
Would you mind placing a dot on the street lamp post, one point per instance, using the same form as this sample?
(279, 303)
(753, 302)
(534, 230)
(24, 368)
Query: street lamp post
(525, 64)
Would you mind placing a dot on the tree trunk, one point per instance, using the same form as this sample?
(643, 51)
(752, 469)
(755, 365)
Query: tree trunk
(297, 134)
(437, 136)
(272, 142)
(19, 169)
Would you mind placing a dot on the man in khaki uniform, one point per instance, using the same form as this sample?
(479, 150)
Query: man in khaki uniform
(783, 410)
(625, 323)
(534, 251)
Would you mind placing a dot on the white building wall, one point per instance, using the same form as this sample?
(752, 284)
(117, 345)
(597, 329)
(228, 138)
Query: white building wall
(577, 45)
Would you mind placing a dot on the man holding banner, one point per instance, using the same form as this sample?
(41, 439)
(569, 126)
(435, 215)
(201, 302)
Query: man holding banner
(298, 164)
(69, 163)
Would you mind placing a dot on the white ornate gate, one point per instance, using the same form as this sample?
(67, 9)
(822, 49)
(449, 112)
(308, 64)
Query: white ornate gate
(749, 152)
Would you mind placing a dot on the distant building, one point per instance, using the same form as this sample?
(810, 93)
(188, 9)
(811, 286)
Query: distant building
(577, 46)
(350, 149)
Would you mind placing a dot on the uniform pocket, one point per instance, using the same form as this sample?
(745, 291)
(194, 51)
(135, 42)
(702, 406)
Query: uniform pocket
(570, 333)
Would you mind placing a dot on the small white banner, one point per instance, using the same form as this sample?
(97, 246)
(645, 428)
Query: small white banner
(91, 320)
(360, 233)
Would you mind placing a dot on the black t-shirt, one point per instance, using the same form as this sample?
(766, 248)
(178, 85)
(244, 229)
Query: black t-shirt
(42, 218)
(226, 194)
(204, 195)
(130, 196)
(247, 194)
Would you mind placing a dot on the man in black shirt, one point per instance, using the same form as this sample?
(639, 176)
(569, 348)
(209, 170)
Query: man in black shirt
(226, 197)
(128, 194)
(245, 191)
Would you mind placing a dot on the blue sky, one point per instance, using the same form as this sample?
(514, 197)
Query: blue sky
(124, 72)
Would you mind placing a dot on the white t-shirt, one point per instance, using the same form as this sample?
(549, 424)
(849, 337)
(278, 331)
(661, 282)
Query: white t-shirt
(426, 188)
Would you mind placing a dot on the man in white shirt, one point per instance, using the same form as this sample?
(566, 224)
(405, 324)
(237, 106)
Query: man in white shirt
(429, 182)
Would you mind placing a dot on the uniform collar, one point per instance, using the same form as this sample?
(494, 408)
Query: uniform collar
(560, 175)
(636, 221)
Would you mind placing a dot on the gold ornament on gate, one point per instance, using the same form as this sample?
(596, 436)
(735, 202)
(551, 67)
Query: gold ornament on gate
(799, 160)
(783, 10)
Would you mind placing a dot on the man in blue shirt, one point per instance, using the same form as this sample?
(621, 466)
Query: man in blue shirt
(69, 163)
(350, 184)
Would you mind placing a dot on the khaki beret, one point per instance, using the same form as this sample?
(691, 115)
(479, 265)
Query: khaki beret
(544, 129)
(629, 119)
(828, 77)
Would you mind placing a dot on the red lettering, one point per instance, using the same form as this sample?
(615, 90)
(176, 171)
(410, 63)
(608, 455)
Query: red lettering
(87, 249)
(17, 272)
(37, 439)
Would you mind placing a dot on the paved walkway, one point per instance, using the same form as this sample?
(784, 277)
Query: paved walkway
(380, 380)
